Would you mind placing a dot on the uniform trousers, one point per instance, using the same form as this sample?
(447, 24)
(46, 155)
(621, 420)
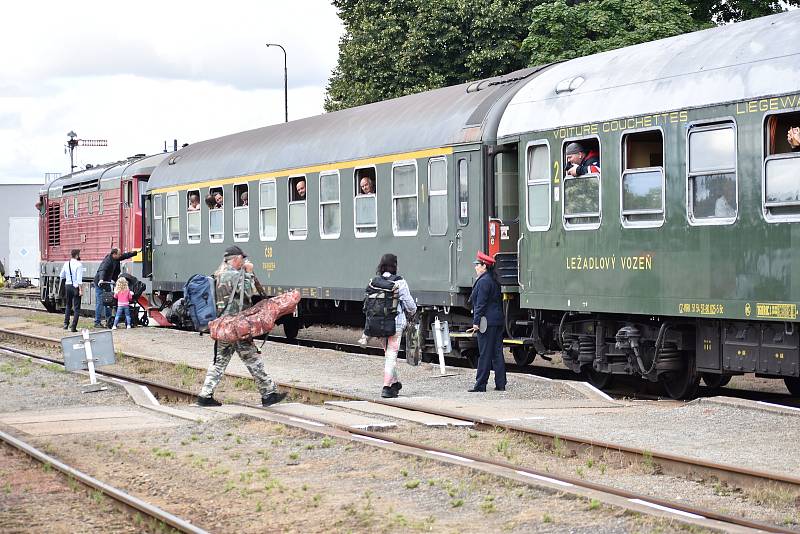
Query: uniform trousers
(490, 347)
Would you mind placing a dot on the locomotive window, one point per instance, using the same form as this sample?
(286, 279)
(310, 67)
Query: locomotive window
(463, 192)
(241, 213)
(538, 187)
(437, 196)
(158, 214)
(506, 192)
(75, 207)
(712, 174)
(404, 198)
(365, 203)
(127, 191)
(330, 216)
(193, 228)
(268, 211)
(782, 169)
(298, 223)
(216, 215)
(100, 203)
(89, 202)
(173, 219)
(67, 205)
(642, 184)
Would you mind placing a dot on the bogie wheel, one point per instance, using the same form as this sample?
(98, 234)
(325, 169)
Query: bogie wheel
(598, 379)
(291, 327)
(523, 356)
(792, 384)
(715, 381)
(472, 356)
(681, 384)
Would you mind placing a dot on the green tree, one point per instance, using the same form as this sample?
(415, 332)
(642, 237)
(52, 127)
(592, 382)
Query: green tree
(721, 11)
(559, 31)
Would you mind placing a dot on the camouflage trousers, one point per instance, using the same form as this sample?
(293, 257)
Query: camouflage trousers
(249, 355)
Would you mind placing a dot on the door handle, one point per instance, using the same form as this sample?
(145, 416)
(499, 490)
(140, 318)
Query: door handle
(519, 280)
(450, 263)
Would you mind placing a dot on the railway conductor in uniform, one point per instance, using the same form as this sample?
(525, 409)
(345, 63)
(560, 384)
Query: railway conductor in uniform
(234, 281)
(487, 308)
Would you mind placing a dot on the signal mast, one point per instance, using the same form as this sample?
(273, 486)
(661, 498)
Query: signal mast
(74, 142)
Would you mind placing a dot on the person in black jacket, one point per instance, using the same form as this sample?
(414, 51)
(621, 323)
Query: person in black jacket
(487, 303)
(107, 274)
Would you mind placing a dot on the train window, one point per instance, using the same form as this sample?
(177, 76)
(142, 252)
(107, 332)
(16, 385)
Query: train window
(173, 219)
(506, 192)
(582, 187)
(463, 192)
(75, 207)
(404, 198)
(330, 216)
(158, 214)
(89, 202)
(127, 193)
(216, 215)
(437, 196)
(241, 212)
(100, 207)
(642, 184)
(67, 205)
(712, 174)
(298, 223)
(193, 229)
(781, 168)
(268, 211)
(538, 184)
(365, 202)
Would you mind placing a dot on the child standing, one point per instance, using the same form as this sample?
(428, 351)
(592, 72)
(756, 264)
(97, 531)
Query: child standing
(123, 296)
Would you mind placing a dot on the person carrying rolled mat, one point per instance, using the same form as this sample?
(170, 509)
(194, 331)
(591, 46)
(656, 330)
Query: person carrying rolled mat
(486, 302)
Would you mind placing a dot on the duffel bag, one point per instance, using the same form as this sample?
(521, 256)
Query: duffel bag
(254, 321)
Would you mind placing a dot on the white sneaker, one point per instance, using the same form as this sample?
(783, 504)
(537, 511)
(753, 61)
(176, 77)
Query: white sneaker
(128, 327)
(113, 328)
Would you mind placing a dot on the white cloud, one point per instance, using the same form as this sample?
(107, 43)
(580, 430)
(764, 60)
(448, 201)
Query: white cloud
(139, 74)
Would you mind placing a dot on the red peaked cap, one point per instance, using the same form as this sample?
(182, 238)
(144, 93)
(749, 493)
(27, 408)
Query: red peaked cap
(483, 258)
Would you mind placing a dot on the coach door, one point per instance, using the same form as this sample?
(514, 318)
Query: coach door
(126, 215)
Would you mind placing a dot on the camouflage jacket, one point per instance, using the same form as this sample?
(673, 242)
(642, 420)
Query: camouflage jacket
(227, 280)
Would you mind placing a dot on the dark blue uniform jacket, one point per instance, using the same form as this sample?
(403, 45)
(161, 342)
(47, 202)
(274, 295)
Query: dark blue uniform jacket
(486, 301)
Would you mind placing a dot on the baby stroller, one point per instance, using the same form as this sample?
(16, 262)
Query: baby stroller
(138, 313)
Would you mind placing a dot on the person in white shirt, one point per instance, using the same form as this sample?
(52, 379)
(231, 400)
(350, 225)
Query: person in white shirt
(72, 273)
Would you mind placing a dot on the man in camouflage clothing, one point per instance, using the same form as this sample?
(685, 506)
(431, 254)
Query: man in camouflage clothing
(232, 298)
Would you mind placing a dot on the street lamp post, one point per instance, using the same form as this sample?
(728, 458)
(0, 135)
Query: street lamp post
(285, 83)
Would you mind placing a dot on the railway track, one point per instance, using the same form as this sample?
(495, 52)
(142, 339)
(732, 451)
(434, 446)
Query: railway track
(130, 503)
(667, 463)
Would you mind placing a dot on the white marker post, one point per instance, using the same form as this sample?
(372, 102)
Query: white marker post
(441, 338)
(92, 385)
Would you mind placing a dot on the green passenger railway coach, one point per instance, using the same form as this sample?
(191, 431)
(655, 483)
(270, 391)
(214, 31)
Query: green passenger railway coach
(672, 259)
(677, 259)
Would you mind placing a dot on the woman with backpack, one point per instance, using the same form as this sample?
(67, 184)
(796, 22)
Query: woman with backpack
(487, 307)
(394, 287)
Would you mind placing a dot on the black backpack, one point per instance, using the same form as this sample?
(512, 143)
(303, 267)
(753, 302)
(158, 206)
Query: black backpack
(380, 306)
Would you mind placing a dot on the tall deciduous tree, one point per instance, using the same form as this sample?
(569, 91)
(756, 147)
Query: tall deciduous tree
(396, 47)
(560, 31)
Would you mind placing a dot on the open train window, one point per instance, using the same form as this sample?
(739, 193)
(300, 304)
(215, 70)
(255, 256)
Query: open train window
(173, 219)
(216, 214)
(241, 212)
(538, 186)
(463, 192)
(437, 196)
(365, 202)
(193, 229)
(781, 191)
(642, 184)
(330, 215)
(267, 211)
(158, 215)
(582, 186)
(298, 218)
(712, 189)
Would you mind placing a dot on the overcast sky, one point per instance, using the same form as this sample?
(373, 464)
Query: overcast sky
(141, 73)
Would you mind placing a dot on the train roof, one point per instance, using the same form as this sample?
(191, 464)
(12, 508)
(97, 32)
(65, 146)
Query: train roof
(102, 176)
(746, 60)
(442, 117)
